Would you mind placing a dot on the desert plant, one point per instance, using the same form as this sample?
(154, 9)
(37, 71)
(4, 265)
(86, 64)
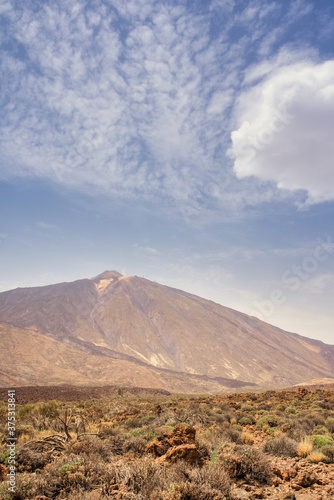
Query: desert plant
(328, 450)
(330, 424)
(247, 463)
(247, 438)
(267, 421)
(304, 448)
(281, 446)
(316, 457)
(319, 440)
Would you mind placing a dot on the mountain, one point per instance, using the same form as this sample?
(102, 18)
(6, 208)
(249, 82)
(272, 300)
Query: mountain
(126, 330)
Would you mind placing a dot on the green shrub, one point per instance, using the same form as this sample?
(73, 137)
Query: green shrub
(287, 426)
(245, 421)
(5, 457)
(25, 410)
(247, 408)
(48, 409)
(267, 421)
(319, 440)
(214, 458)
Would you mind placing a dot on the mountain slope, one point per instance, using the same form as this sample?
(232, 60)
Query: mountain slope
(162, 331)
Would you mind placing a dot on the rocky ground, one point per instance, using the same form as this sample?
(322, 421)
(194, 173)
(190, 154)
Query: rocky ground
(272, 445)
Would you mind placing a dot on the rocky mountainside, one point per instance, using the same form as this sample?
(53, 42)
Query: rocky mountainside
(115, 329)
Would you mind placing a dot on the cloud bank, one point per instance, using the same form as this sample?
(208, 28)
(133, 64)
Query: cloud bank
(285, 130)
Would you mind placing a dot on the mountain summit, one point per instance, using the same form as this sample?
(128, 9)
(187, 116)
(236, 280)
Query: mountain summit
(114, 329)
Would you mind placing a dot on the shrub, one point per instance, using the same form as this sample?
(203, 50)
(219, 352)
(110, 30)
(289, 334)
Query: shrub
(287, 427)
(246, 421)
(328, 450)
(316, 457)
(247, 407)
(320, 429)
(30, 460)
(25, 410)
(69, 466)
(281, 447)
(246, 463)
(136, 445)
(319, 440)
(267, 421)
(247, 438)
(330, 424)
(92, 448)
(231, 434)
(48, 409)
(304, 448)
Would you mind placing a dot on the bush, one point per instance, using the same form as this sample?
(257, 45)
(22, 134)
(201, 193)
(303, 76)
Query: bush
(330, 424)
(246, 421)
(243, 462)
(136, 445)
(319, 440)
(328, 450)
(320, 429)
(25, 410)
(281, 447)
(304, 448)
(247, 438)
(29, 460)
(267, 421)
(48, 409)
(316, 456)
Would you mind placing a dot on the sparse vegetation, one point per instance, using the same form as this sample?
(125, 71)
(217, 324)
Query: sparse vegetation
(165, 447)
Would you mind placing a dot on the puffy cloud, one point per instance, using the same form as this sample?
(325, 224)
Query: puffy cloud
(285, 129)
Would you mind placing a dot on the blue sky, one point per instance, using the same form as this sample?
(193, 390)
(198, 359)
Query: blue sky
(187, 142)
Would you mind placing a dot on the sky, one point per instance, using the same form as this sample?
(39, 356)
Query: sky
(188, 142)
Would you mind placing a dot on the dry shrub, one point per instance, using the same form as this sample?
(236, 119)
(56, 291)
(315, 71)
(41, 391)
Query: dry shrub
(247, 438)
(232, 435)
(328, 451)
(281, 447)
(207, 483)
(193, 491)
(244, 462)
(67, 474)
(138, 476)
(92, 448)
(30, 460)
(316, 456)
(136, 445)
(304, 448)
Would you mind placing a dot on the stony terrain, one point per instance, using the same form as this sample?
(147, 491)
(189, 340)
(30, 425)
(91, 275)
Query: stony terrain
(272, 445)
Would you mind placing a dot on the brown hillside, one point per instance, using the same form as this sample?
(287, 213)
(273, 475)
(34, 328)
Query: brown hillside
(116, 328)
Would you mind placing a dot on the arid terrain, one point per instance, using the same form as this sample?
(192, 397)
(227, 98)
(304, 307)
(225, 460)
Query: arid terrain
(126, 330)
(100, 443)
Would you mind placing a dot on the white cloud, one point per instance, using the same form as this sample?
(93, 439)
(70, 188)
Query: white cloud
(132, 98)
(285, 129)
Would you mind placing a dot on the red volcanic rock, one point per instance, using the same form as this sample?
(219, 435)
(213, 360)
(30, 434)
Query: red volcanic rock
(178, 445)
(187, 452)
